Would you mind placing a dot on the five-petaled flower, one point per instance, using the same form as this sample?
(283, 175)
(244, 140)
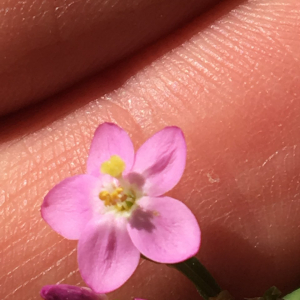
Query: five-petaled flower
(116, 210)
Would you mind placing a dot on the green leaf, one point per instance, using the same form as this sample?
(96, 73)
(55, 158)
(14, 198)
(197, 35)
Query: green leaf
(295, 295)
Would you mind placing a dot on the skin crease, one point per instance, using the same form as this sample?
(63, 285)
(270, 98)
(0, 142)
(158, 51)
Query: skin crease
(230, 80)
(48, 45)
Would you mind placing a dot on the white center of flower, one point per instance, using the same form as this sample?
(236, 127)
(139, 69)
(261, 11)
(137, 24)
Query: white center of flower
(120, 196)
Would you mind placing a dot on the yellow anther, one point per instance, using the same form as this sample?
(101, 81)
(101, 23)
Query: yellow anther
(114, 196)
(113, 167)
(117, 199)
(119, 190)
(104, 195)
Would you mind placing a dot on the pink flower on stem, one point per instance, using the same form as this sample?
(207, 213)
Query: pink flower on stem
(116, 210)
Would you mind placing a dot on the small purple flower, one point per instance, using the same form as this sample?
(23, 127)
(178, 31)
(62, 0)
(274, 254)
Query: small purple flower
(69, 292)
(117, 210)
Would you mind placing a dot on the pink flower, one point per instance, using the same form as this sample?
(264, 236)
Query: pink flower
(116, 210)
(69, 292)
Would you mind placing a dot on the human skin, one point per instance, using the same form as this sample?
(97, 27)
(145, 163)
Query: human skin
(230, 80)
(51, 44)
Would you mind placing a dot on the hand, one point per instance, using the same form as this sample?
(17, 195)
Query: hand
(229, 79)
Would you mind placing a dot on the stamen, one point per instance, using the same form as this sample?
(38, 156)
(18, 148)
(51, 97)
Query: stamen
(115, 195)
(106, 197)
(103, 195)
(118, 199)
(114, 166)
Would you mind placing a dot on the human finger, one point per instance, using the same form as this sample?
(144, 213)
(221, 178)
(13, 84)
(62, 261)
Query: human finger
(47, 46)
(230, 82)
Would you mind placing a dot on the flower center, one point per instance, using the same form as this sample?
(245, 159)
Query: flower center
(118, 199)
(117, 196)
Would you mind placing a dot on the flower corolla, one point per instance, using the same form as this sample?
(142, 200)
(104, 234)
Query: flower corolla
(116, 210)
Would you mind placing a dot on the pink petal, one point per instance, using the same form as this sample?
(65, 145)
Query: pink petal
(106, 255)
(164, 230)
(69, 292)
(161, 161)
(109, 140)
(69, 206)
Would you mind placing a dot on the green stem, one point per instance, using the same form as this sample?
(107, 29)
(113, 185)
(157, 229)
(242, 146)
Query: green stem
(198, 274)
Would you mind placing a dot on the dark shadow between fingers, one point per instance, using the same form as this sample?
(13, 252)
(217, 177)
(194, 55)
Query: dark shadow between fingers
(36, 116)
